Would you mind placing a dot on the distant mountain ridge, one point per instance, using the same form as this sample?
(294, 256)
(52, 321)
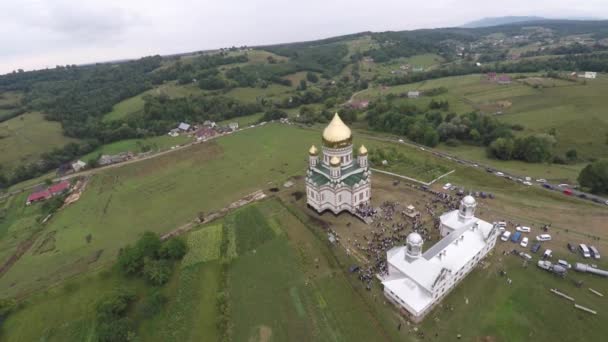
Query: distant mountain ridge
(496, 21)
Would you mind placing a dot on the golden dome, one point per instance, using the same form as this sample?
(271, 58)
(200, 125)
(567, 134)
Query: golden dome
(337, 134)
(313, 150)
(334, 161)
(362, 150)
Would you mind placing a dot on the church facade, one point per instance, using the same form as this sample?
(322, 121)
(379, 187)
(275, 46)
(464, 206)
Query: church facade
(418, 281)
(336, 180)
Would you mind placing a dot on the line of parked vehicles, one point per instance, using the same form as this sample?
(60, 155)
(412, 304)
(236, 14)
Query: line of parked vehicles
(517, 237)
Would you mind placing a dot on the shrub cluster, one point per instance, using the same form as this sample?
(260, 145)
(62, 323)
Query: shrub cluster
(151, 258)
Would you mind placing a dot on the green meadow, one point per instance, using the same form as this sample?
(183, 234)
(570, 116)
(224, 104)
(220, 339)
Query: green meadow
(26, 137)
(281, 279)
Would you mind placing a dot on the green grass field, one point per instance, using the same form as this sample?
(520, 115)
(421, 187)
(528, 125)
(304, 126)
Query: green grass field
(243, 121)
(276, 289)
(9, 101)
(273, 91)
(574, 109)
(121, 203)
(135, 105)
(26, 137)
(154, 144)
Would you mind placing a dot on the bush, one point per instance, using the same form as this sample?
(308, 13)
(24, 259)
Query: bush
(152, 304)
(115, 305)
(157, 272)
(175, 248)
(595, 177)
(131, 260)
(149, 244)
(115, 331)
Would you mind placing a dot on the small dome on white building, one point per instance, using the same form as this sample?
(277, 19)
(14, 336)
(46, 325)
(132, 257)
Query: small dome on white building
(414, 238)
(467, 208)
(413, 246)
(469, 200)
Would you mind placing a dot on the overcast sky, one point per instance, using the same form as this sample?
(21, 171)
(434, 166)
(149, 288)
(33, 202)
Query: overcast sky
(43, 33)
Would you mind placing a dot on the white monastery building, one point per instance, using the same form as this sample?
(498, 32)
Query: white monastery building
(417, 281)
(336, 180)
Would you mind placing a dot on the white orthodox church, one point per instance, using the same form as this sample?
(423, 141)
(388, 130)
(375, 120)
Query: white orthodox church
(417, 281)
(335, 179)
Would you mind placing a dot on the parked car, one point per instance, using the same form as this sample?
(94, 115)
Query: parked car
(505, 236)
(543, 237)
(523, 229)
(525, 255)
(541, 180)
(594, 252)
(488, 170)
(568, 192)
(564, 263)
(584, 250)
(527, 183)
(548, 254)
(563, 185)
(524, 242)
(500, 174)
(535, 248)
(447, 186)
(547, 186)
(583, 196)
(515, 238)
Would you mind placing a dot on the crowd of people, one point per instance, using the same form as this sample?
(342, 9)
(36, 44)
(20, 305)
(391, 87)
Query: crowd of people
(391, 226)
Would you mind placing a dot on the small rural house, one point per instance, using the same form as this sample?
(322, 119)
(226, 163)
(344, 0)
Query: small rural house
(184, 127)
(413, 94)
(78, 165)
(53, 190)
(589, 75)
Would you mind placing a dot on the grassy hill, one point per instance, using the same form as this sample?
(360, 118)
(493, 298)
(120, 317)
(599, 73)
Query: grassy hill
(26, 137)
(268, 244)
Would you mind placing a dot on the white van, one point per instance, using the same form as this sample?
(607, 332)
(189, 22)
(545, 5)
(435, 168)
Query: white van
(543, 237)
(584, 250)
(505, 236)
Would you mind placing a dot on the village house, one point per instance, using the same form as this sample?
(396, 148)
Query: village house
(78, 165)
(44, 194)
(184, 127)
(113, 159)
(233, 126)
(588, 75)
(209, 123)
(358, 104)
(205, 133)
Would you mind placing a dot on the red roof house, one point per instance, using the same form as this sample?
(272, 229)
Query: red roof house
(39, 196)
(59, 188)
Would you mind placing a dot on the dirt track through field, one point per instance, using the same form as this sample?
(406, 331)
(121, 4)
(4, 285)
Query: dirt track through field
(21, 250)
